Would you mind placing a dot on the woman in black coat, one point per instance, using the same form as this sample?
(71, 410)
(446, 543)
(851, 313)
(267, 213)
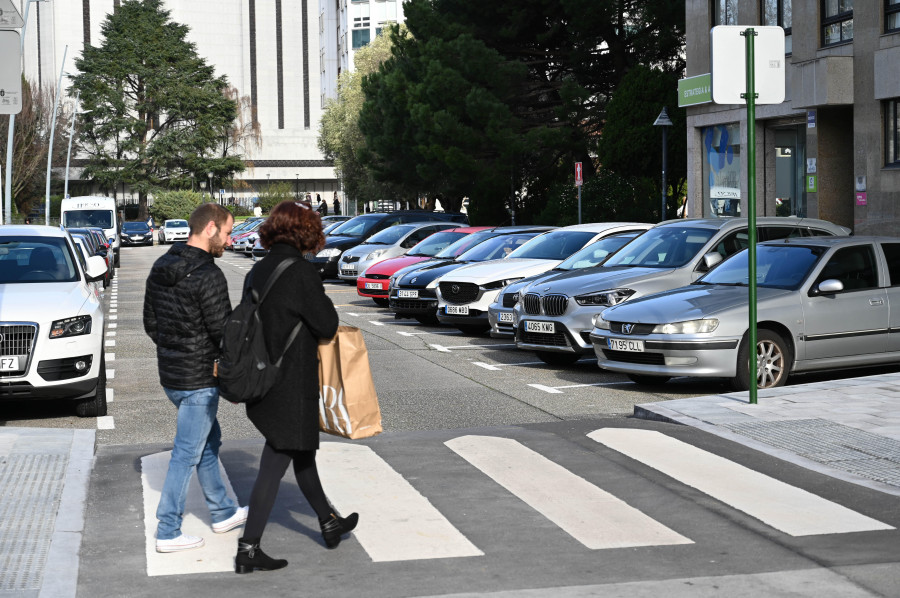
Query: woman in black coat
(288, 416)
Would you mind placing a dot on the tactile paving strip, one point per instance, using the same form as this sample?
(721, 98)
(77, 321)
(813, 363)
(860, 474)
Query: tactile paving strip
(842, 447)
(30, 490)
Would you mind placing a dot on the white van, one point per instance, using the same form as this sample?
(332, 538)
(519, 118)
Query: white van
(78, 212)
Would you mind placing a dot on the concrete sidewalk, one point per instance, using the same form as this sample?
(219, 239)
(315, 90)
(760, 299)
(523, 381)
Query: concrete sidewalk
(848, 429)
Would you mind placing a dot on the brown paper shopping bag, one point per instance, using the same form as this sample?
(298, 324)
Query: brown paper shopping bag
(348, 405)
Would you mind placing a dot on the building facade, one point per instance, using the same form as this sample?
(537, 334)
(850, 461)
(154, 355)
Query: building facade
(266, 48)
(831, 150)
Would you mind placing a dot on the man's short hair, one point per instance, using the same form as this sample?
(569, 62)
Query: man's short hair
(206, 212)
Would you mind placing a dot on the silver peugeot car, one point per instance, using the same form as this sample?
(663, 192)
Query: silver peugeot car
(554, 317)
(822, 303)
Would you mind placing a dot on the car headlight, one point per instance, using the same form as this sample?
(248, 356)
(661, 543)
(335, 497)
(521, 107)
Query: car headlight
(433, 284)
(71, 327)
(376, 253)
(499, 284)
(330, 252)
(605, 298)
(689, 327)
(600, 322)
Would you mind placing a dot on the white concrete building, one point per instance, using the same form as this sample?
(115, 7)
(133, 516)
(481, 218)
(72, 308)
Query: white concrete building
(266, 48)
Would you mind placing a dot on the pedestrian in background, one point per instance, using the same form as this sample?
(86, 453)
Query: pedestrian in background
(185, 307)
(337, 204)
(323, 207)
(288, 416)
(28, 221)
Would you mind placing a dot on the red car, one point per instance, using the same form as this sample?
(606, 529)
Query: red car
(374, 281)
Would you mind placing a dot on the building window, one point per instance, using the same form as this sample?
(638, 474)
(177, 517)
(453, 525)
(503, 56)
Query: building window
(837, 21)
(360, 38)
(722, 170)
(724, 12)
(892, 132)
(891, 15)
(778, 13)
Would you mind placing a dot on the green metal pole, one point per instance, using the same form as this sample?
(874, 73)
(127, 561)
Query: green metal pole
(750, 96)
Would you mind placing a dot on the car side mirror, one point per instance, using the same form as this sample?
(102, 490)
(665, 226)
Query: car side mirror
(828, 287)
(96, 268)
(709, 260)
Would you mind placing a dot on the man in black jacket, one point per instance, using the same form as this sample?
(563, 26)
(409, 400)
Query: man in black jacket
(185, 307)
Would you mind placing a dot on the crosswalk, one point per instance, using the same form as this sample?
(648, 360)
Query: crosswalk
(400, 522)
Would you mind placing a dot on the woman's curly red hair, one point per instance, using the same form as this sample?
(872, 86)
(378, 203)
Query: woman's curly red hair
(295, 224)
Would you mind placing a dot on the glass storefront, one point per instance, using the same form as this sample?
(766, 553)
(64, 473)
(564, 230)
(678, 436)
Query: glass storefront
(722, 170)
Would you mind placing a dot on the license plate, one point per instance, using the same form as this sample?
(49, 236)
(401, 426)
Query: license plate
(458, 310)
(621, 344)
(408, 294)
(542, 327)
(505, 316)
(9, 364)
(374, 285)
(348, 266)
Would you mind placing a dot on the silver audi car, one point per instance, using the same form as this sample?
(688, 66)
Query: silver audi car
(822, 303)
(554, 316)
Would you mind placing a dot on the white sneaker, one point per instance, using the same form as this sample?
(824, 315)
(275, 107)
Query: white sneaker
(236, 520)
(182, 542)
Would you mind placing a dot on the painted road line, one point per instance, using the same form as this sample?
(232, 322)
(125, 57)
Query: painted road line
(556, 389)
(110, 357)
(351, 314)
(109, 344)
(376, 322)
(592, 516)
(450, 349)
(217, 555)
(110, 333)
(113, 325)
(109, 395)
(495, 367)
(105, 422)
(404, 333)
(788, 509)
(110, 374)
(396, 523)
(113, 317)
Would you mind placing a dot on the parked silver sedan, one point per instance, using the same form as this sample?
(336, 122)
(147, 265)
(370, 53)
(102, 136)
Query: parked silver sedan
(554, 316)
(822, 303)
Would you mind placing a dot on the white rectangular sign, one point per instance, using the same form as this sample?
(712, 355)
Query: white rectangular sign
(729, 72)
(10, 72)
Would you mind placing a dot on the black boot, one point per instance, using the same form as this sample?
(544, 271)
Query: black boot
(250, 558)
(336, 526)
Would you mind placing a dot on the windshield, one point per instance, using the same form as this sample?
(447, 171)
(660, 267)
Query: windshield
(36, 259)
(461, 246)
(77, 218)
(496, 248)
(135, 227)
(663, 247)
(390, 235)
(176, 224)
(595, 253)
(434, 244)
(356, 227)
(779, 267)
(555, 245)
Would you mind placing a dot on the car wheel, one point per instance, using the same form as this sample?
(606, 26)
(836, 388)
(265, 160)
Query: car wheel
(473, 329)
(648, 380)
(773, 361)
(95, 406)
(429, 320)
(558, 358)
(381, 302)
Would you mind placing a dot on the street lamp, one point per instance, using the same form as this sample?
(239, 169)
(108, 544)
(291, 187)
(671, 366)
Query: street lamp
(211, 196)
(663, 121)
(192, 181)
(52, 131)
(297, 187)
(71, 136)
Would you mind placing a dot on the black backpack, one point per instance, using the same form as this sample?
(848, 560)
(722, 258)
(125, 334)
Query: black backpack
(245, 370)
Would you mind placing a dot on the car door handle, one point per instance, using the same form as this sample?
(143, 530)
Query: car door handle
(876, 301)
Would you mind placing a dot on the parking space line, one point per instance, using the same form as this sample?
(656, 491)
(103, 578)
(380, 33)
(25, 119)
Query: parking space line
(110, 374)
(109, 344)
(110, 333)
(456, 332)
(110, 395)
(106, 422)
(556, 389)
(495, 367)
(110, 357)
(445, 349)
(376, 322)
(112, 325)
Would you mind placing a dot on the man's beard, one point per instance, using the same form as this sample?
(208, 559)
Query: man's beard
(216, 247)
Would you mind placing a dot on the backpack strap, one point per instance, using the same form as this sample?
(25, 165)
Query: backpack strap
(277, 272)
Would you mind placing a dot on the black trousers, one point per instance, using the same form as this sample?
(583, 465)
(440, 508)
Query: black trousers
(272, 466)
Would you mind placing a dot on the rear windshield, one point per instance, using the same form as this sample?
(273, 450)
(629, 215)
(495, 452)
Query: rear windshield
(36, 259)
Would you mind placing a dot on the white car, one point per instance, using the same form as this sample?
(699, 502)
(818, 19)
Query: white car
(465, 294)
(173, 231)
(84, 253)
(391, 242)
(51, 319)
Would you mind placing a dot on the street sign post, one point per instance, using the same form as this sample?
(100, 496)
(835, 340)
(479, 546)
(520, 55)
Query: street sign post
(578, 182)
(727, 88)
(10, 72)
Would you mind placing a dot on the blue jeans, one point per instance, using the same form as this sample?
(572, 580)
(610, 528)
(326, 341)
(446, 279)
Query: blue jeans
(197, 441)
